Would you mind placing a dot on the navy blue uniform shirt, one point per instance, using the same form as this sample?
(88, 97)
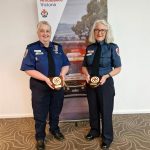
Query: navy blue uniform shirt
(109, 57)
(36, 58)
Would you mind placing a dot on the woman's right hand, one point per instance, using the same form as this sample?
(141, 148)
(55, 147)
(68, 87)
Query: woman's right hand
(49, 83)
(87, 78)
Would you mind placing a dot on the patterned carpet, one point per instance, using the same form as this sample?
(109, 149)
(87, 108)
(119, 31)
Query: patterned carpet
(131, 132)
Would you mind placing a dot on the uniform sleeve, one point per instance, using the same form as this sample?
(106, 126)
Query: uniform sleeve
(84, 64)
(116, 61)
(28, 62)
(65, 58)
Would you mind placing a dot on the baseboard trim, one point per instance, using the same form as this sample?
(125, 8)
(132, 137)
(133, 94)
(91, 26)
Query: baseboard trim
(16, 116)
(115, 112)
(130, 111)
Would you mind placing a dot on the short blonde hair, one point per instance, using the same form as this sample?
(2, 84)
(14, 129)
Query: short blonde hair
(41, 23)
(109, 37)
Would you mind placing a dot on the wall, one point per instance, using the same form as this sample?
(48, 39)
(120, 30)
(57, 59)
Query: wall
(17, 29)
(130, 23)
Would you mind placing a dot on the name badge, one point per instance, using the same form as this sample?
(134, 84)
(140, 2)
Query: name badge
(89, 54)
(37, 51)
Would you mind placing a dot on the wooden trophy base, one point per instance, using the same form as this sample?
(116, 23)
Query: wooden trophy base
(94, 81)
(57, 82)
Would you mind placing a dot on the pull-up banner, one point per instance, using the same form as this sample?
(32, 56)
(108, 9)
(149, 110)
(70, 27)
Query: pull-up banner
(71, 22)
(51, 11)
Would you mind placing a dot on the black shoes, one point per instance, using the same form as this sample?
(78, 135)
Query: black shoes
(58, 136)
(90, 137)
(105, 146)
(40, 145)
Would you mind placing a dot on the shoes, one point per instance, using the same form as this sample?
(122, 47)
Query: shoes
(90, 137)
(40, 145)
(105, 146)
(58, 136)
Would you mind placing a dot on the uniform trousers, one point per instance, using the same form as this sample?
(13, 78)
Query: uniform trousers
(101, 102)
(45, 100)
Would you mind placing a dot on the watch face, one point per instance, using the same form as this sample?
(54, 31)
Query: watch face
(94, 81)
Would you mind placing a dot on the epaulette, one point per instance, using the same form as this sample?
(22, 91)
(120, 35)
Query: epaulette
(34, 43)
(113, 44)
(90, 45)
(56, 43)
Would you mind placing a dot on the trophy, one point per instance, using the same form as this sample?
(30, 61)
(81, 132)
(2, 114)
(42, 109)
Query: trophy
(57, 82)
(94, 81)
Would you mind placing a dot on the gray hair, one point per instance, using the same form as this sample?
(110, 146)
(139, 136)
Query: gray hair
(43, 23)
(109, 37)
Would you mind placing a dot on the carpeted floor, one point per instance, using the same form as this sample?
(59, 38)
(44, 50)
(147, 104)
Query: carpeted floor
(131, 132)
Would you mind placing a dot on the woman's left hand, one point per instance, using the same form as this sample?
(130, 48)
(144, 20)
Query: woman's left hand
(63, 78)
(103, 79)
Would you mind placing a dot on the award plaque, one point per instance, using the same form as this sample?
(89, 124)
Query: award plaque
(94, 81)
(57, 82)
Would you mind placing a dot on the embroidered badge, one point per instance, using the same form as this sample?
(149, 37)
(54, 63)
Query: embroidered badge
(37, 51)
(26, 52)
(88, 54)
(55, 47)
(90, 51)
(117, 51)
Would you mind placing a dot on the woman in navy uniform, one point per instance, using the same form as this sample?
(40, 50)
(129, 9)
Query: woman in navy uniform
(102, 55)
(43, 59)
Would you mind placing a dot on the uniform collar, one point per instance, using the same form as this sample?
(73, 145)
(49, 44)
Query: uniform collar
(50, 44)
(100, 42)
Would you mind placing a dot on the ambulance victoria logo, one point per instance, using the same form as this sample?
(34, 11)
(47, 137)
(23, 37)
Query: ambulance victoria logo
(44, 13)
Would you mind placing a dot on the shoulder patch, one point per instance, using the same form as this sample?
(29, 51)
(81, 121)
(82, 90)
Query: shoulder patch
(26, 52)
(117, 51)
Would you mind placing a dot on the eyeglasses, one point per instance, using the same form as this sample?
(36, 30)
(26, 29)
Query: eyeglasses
(103, 31)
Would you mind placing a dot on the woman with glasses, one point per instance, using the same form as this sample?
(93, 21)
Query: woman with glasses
(101, 63)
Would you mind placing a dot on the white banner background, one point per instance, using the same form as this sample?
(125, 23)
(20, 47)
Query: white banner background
(51, 11)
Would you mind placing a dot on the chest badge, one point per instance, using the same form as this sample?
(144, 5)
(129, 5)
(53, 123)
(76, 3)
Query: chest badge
(90, 51)
(55, 49)
(38, 52)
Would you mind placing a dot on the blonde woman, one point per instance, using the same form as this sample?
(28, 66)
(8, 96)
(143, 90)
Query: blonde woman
(44, 59)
